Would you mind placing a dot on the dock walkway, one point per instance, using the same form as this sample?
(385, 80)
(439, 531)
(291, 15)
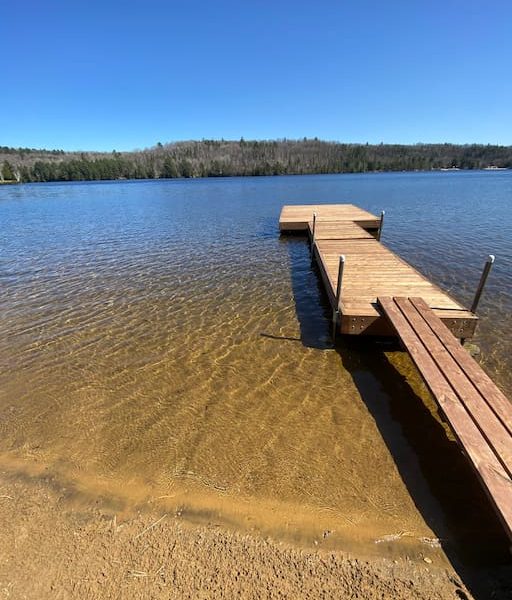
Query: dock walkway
(370, 270)
(373, 291)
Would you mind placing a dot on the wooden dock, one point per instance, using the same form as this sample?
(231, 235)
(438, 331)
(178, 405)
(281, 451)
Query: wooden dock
(370, 270)
(373, 291)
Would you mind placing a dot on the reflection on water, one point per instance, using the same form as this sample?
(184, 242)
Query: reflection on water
(160, 343)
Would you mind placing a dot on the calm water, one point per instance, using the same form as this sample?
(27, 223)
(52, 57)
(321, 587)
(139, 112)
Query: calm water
(162, 345)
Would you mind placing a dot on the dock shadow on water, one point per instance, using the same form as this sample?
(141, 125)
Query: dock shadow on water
(313, 313)
(438, 477)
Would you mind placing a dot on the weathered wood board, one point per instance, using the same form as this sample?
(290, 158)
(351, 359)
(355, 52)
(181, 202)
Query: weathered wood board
(477, 411)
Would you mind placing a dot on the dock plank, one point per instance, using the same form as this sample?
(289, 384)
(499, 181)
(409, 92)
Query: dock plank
(337, 230)
(485, 419)
(494, 397)
(490, 470)
(297, 217)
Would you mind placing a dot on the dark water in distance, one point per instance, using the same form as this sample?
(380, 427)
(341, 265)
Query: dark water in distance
(161, 343)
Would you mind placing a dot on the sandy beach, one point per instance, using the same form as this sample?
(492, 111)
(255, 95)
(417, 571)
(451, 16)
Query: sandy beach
(48, 550)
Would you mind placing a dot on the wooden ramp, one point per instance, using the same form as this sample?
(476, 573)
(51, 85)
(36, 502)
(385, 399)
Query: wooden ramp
(477, 411)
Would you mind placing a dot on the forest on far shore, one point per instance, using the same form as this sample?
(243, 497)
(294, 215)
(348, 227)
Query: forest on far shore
(221, 158)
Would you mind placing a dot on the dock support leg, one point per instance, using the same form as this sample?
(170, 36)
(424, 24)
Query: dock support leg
(483, 279)
(336, 310)
(313, 239)
(381, 225)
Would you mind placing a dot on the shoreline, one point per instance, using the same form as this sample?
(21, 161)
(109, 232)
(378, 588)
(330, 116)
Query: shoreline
(242, 176)
(309, 527)
(94, 554)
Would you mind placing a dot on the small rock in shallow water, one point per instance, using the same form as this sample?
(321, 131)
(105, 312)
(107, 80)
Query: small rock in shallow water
(472, 349)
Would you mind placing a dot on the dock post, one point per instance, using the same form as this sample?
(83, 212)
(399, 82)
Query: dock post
(379, 232)
(485, 273)
(313, 239)
(336, 310)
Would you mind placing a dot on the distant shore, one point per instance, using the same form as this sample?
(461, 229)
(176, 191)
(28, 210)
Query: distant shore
(221, 158)
(125, 179)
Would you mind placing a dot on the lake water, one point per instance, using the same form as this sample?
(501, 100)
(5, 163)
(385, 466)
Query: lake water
(163, 346)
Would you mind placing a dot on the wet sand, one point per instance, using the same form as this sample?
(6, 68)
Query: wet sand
(50, 551)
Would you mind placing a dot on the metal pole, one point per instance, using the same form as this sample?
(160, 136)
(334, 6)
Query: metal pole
(313, 239)
(379, 233)
(483, 279)
(336, 310)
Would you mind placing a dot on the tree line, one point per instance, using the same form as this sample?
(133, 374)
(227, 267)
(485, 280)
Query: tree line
(221, 158)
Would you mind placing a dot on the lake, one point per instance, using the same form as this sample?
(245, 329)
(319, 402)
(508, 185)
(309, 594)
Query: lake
(162, 345)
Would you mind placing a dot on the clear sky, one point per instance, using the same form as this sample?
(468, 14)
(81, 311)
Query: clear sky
(99, 74)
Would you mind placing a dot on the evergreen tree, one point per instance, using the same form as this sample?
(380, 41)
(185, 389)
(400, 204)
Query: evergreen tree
(7, 171)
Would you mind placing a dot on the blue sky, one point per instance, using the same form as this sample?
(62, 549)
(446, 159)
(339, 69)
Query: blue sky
(121, 75)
